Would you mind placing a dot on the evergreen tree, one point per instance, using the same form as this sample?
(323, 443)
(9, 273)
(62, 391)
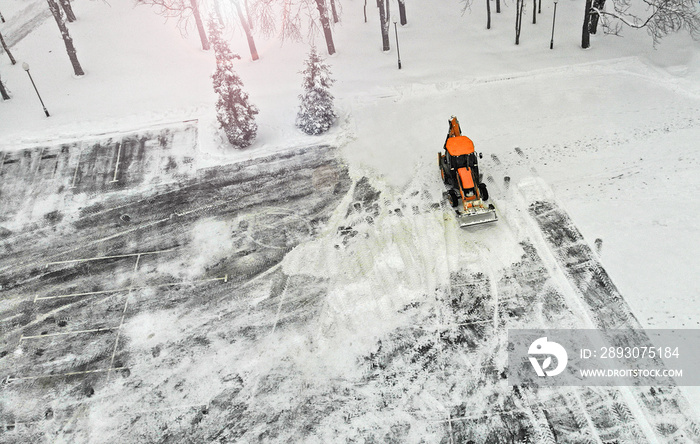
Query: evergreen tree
(316, 113)
(234, 112)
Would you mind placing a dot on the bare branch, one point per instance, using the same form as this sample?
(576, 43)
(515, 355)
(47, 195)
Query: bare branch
(265, 17)
(466, 6)
(665, 17)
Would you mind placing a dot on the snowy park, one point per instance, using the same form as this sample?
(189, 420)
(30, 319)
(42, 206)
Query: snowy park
(223, 221)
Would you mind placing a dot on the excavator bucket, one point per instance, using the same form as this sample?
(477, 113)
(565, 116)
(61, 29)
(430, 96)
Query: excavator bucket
(483, 216)
(476, 214)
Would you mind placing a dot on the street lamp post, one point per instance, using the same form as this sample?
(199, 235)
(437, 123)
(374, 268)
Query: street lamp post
(398, 54)
(25, 66)
(554, 17)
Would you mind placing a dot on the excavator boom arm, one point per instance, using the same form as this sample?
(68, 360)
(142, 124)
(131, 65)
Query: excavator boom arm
(455, 130)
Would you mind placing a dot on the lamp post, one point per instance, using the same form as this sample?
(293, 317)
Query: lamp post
(398, 54)
(25, 66)
(554, 17)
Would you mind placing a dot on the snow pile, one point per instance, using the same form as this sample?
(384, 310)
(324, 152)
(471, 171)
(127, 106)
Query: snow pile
(383, 252)
(211, 241)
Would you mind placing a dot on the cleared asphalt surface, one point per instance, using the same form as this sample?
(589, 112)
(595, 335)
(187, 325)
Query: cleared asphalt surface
(143, 300)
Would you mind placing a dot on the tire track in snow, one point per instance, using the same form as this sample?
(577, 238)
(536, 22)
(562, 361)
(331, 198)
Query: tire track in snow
(590, 288)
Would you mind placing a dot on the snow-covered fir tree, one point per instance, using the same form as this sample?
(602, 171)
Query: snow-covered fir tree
(236, 115)
(316, 113)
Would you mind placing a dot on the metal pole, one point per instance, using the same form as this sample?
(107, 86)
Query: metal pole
(554, 17)
(398, 54)
(38, 95)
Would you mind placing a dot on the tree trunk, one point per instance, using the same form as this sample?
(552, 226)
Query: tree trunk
(534, 12)
(593, 26)
(246, 29)
(384, 23)
(68, 9)
(599, 5)
(488, 14)
(3, 91)
(402, 12)
(585, 34)
(335, 13)
(518, 19)
(498, 6)
(7, 50)
(326, 25)
(539, 7)
(247, 14)
(70, 49)
(365, 11)
(218, 14)
(388, 14)
(2, 18)
(200, 25)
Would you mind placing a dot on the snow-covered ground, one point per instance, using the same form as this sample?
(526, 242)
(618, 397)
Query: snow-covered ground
(611, 129)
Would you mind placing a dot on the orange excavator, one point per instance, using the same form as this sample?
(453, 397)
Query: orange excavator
(459, 168)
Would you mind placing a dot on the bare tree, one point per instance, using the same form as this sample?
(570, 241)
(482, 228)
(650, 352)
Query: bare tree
(365, 11)
(3, 91)
(264, 15)
(68, 9)
(665, 17)
(183, 11)
(335, 13)
(468, 4)
(488, 14)
(218, 14)
(325, 25)
(247, 13)
(402, 12)
(534, 12)
(297, 15)
(498, 6)
(297, 18)
(593, 27)
(384, 23)
(291, 22)
(67, 40)
(246, 29)
(586, 30)
(519, 5)
(7, 50)
(200, 25)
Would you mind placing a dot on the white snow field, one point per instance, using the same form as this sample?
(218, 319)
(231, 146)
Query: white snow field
(357, 333)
